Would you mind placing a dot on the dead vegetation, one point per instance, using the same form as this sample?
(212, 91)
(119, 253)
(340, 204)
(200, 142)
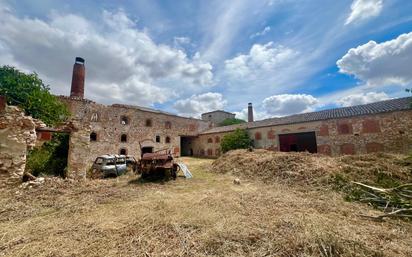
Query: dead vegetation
(208, 215)
(309, 169)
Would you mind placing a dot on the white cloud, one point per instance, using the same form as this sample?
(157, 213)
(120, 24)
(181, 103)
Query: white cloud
(198, 104)
(181, 40)
(123, 63)
(261, 33)
(260, 59)
(364, 9)
(380, 64)
(363, 98)
(286, 104)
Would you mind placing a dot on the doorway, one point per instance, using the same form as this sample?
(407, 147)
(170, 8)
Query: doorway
(298, 142)
(147, 149)
(186, 148)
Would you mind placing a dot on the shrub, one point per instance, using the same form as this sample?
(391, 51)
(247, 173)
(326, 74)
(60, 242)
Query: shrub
(233, 121)
(238, 139)
(51, 158)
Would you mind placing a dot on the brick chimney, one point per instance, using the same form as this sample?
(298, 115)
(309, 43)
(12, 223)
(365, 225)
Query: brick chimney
(249, 112)
(79, 72)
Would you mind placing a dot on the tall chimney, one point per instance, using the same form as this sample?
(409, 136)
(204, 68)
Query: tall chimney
(79, 72)
(249, 112)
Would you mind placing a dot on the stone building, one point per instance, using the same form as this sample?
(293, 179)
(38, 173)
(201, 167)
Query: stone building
(380, 126)
(96, 129)
(217, 116)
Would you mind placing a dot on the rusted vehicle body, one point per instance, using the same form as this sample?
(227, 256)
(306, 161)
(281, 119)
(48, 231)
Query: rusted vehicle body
(158, 164)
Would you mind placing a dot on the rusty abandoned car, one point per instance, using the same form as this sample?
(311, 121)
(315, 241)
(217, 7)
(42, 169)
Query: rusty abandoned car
(158, 164)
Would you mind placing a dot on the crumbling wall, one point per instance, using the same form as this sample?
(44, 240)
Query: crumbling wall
(78, 160)
(17, 135)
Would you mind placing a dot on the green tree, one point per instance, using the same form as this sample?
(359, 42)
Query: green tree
(29, 92)
(238, 139)
(229, 121)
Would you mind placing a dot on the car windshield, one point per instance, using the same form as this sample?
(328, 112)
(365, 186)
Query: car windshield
(99, 161)
(120, 161)
(109, 161)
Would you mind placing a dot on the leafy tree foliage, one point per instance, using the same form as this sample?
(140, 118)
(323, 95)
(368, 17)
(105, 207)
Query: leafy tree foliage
(233, 121)
(238, 139)
(29, 92)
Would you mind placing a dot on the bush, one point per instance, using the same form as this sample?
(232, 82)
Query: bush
(238, 139)
(233, 121)
(51, 158)
(28, 92)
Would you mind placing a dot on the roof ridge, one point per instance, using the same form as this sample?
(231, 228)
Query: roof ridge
(395, 104)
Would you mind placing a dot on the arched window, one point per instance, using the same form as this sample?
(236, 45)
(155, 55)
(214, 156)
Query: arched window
(93, 137)
(124, 120)
(123, 151)
(167, 140)
(210, 140)
(157, 139)
(95, 117)
(217, 139)
(123, 138)
(148, 123)
(168, 125)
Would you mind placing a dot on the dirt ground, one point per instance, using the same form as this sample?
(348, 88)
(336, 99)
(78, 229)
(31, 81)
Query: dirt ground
(205, 216)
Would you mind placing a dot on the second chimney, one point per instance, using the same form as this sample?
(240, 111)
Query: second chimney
(249, 112)
(79, 72)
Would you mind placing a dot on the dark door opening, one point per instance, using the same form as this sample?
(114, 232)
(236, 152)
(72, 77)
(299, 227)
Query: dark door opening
(51, 156)
(147, 149)
(186, 146)
(298, 142)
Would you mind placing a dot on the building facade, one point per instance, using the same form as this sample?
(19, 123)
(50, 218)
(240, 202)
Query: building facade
(381, 126)
(98, 129)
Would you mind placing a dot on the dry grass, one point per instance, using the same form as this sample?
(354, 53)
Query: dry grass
(205, 216)
(309, 169)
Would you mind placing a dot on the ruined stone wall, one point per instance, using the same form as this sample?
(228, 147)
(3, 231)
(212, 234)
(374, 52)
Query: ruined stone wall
(17, 135)
(388, 132)
(109, 123)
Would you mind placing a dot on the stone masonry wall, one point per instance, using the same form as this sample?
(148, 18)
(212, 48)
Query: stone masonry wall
(17, 135)
(388, 132)
(109, 123)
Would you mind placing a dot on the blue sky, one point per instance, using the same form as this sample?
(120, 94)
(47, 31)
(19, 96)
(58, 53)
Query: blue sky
(189, 57)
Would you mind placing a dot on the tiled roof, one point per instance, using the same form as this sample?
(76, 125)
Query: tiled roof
(398, 104)
(217, 111)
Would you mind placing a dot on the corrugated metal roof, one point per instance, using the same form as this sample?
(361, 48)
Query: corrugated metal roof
(398, 104)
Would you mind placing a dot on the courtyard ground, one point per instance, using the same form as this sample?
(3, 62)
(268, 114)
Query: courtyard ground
(205, 216)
